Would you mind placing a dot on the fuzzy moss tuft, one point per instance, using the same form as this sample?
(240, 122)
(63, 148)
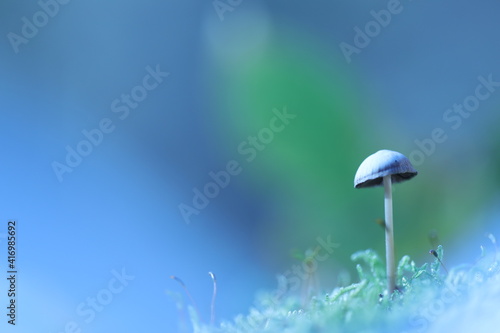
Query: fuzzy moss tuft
(428, 299)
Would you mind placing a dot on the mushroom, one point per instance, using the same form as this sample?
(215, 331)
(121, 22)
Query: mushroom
(385, 167)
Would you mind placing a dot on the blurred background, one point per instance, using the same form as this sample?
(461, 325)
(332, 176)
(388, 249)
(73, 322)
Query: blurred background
(347, 79)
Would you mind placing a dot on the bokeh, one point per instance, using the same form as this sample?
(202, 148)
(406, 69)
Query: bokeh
(175, 138)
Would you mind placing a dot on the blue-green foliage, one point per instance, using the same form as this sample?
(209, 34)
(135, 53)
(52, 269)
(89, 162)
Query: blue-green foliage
(424, 296)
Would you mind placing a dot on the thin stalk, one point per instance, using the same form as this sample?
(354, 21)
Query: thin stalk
(434, 253)
(173, 277)
(389, 236)
(212, 305)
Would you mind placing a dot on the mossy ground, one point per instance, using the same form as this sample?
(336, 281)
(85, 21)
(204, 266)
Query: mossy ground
(429, 299)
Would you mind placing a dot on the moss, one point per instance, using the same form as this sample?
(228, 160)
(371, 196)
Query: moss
(425, 296)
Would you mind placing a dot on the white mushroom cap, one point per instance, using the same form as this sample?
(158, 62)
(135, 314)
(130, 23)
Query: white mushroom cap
(383, 163)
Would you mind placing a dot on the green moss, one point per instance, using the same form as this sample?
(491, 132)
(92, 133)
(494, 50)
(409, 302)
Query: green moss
(425, 296)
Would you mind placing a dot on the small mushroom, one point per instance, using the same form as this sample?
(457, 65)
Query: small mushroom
(385, 167)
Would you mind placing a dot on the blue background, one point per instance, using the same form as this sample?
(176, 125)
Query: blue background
(119, 208)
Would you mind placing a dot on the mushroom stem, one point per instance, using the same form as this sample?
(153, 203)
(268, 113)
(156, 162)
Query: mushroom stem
(389, 236)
